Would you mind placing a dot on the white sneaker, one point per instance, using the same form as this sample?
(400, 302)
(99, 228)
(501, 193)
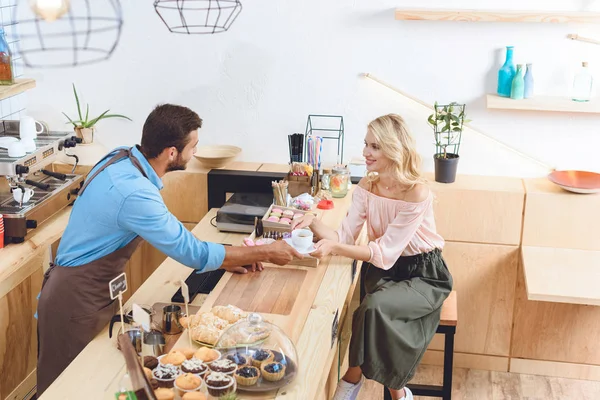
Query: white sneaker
(407, 394)
(348, 391)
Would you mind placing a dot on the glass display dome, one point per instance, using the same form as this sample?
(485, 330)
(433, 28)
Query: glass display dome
(265, 355)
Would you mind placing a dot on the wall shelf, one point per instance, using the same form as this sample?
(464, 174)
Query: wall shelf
(18, 87)
(415, 14)
(544, 103)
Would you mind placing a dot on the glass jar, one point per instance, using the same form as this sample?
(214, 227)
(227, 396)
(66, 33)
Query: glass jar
(6, 72)
(325, 179)
(340, 176)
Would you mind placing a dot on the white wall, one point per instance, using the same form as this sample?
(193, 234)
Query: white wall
(283, 60)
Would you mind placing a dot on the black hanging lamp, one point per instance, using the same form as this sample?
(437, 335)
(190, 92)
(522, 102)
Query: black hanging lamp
(85, 33)
(198, 16)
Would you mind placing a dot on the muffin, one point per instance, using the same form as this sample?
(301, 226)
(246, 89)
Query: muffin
(193, 396)
(150, 362)
(262, 355)
(239, 359)
(165, 375)
(164, 394)
(247, 376)
(219, 384)
(187, 383)
(174, 358)
(207, 355)
(187, 352)
(272, 371)
(288, 214)
(148, 373)
(194, 366)
(154, 384)
(224, 365)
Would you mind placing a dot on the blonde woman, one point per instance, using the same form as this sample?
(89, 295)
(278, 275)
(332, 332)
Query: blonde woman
(405, 277)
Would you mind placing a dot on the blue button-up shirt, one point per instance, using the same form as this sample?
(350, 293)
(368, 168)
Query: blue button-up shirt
(120, 204)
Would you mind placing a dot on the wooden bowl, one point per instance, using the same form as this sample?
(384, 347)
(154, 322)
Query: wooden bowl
(216, 156)
(576, 181)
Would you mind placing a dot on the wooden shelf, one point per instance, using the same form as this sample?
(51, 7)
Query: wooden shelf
(561, 275)
(19, 86)
(416, 14)
(544, 103)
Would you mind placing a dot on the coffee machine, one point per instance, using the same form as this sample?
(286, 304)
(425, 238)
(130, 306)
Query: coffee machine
(52, 191)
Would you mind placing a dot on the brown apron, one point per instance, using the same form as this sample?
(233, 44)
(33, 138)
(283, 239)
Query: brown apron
(75, 303)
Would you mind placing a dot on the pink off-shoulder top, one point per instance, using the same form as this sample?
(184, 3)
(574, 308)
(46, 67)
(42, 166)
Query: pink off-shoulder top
(395, 227)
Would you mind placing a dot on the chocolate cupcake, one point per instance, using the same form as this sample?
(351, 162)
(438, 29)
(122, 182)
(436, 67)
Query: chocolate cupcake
(224, 365)
(247, 376)
(219, 384)
(165, 375)
(238, 358)
(272, 371)
(262, 355)
(154, 384)
(150, 362)
(194, 366)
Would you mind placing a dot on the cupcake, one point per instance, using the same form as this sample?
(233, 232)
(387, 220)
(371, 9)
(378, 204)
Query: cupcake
(219, 384)
(187, 352)
(154, 384)
(193, 396)
(285, 221)
(207, 355)
(262, 355)
(174, 358)
(194, 366)
(273, 219)
(276, 210)
(296, 216)
(224, 365)
(150, 362)
(187, 383)
(148, 373)
(272, 371)
(164, 394)
(288, 213)
(165, 375)
(247, 376)
(238, 358)
(275, 214)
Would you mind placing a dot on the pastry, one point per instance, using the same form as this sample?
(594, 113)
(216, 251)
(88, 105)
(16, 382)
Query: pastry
(187, 352)
(285, 220)
(165, 375)
(238, 358)
(206, 334)
(262, 355)
(174, 358)
(229, 313)
(277, 210)
(272, 371)
(288, 213)
(275, 214)
(164, 394)
(224, 365)
(207, 355)
(148, 373)
(150, 362)
(273, 219)
(247, 376)
(154, 384)
(193, 396)
(184, 321)
(219, 384)
(194, 366)
(187, 383)
(208, 319)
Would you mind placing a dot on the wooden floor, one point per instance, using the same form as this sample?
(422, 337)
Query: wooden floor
(487, 385)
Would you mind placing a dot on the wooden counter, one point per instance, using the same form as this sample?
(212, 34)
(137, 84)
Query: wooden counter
(97, 370)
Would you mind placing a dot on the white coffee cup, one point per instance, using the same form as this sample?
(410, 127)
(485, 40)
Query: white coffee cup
(17, 193)
(29, 145)
(28, 128)
(16, 149)
(302, 238)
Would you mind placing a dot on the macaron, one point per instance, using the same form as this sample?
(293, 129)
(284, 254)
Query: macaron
(276, 210)
(273, 219)
(288, 214)
(275, 214)
(296, 216)
(285, 221)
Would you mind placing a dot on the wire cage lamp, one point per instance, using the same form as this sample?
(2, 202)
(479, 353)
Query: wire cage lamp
(87, 33)
(198, 16)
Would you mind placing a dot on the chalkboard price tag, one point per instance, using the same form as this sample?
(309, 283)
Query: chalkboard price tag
(117, 286)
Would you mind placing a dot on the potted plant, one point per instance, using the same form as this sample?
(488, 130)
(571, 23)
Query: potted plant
(85, 126)
(447, 122)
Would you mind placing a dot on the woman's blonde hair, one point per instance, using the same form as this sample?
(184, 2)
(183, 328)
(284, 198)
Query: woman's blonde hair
(398, 145)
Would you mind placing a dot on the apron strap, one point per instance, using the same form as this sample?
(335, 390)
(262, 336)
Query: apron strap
(119, 155)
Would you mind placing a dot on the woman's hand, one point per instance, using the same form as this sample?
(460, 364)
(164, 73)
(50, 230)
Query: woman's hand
(324, 248)
(303, 222)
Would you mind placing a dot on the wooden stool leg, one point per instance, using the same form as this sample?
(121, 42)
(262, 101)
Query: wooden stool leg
(448, 364)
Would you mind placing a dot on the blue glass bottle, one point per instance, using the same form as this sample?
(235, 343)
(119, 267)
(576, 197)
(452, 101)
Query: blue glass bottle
(529, 82)
(506, 74)
(518, 84)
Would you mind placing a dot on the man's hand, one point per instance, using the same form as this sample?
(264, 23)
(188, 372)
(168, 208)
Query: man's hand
(281, 253)
(244, 269)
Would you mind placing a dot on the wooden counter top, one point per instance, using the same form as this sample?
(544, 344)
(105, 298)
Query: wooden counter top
(99, 367)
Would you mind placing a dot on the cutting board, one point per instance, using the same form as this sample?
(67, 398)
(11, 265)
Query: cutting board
(273, 291)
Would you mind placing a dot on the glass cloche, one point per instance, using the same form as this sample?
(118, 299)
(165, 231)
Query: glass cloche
(265, 355)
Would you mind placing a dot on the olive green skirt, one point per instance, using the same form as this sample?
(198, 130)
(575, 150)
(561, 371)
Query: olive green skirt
(398, 316)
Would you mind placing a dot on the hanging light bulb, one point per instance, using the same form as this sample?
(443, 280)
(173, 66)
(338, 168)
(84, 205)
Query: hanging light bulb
(49, 10)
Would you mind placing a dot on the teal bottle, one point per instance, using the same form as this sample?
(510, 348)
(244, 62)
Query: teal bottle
(518, 84)
(529, 82)
(506, 74)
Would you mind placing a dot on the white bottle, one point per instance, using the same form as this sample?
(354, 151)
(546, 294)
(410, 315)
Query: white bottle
(582, 84)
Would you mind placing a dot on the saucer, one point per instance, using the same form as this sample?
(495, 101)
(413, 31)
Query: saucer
(308, 250)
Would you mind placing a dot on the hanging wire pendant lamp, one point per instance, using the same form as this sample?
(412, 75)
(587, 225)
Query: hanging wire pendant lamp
(198, 16)
(87, 33)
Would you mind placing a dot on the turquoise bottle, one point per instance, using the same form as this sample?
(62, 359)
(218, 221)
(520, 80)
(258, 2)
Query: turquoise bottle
(506, 74)
(529, 82)
(518, 84)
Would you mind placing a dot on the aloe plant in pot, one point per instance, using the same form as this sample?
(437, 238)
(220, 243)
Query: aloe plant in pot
(85, 126)
(447, 123)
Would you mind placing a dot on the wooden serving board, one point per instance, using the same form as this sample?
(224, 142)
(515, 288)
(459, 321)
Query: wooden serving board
(273, 291)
